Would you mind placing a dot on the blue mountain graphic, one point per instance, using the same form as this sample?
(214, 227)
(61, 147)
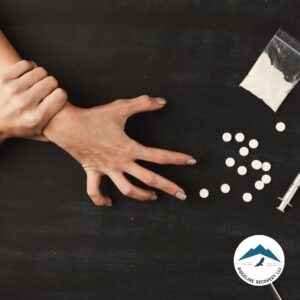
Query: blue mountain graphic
(259, 250)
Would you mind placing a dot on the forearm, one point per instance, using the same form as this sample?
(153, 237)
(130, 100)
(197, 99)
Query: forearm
(8, 55)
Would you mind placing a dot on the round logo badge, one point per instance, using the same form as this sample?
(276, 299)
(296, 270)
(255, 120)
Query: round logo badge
(259, 260)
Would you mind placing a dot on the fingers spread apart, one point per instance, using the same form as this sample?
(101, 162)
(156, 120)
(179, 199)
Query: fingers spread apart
(152, 179)
(130, 190)
(93, 188)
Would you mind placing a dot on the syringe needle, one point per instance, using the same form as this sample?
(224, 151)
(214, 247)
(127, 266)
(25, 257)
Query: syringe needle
(274, 292)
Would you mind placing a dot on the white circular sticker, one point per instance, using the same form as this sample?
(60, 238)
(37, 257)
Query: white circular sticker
(259, 260)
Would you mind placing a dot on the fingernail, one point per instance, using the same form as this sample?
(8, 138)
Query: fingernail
(161, 101)
(191, 161)
(153, 197)
(181, 195)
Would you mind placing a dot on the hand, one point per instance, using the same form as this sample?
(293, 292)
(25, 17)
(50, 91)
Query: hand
(28, 100)
(95, 137)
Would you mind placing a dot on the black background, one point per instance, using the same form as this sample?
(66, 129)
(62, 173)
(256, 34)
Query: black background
(55, 244)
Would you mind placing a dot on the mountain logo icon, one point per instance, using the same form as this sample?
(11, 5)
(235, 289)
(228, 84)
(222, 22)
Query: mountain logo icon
(259, 250)
(258, 260)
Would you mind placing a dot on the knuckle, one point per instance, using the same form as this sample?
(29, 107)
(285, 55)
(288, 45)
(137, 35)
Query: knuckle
(93, 194)
(33, 120)
(146, 98)
(120, 101)
(25, 64)
(52, 81)
(127, 191)
(61, 94)
(11, 89)
(41, 71)
(150, 179)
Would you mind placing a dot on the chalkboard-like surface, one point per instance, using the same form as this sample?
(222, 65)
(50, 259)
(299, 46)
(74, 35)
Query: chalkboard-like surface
(55, 244)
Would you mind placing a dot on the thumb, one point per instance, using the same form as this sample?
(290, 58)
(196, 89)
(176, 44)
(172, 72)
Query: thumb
(92, 188)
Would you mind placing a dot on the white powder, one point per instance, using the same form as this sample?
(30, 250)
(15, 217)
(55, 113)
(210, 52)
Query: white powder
(267, 82)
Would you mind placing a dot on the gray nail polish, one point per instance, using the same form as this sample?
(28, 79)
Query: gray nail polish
(181, 195)
(191, 161)
(161, 101)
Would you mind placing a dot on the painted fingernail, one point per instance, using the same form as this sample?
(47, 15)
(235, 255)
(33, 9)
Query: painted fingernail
(153, 197)
(191, 161)
(161, 101)
(181, 196)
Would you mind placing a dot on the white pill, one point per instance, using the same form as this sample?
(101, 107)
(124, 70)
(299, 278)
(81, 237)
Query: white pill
(253, 144)
(242, 170)
(227, 137)
(204, 193)
(244, 151)
(259, 185)
(266, 179)
(239, 137)
(256, 164)
(230, 162)
(280, 126)
(225, 188)
(247, 197)
(266, 166)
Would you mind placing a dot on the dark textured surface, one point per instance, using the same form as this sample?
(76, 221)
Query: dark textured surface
(55, 244)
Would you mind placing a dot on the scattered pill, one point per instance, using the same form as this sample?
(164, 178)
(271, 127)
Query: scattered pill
(239, 137)
(244, 151)
(247, 197)
(225, 188)
(253, 144)
(256, 164)
(266, 166)
(259, 185)
(266, 179)
(204, 193)
(227, 137)
(230, 162)
(280, 126)
(242, 170)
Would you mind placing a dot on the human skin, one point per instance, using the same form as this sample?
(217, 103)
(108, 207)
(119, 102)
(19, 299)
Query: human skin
(29, 98)
(95, 137)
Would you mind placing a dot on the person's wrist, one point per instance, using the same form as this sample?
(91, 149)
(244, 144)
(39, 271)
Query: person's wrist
(58, 127)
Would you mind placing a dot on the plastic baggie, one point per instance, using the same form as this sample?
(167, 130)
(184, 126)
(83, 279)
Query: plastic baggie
(277, 70)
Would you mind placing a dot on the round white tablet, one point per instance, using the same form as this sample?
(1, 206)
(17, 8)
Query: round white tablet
(247, 197)
(256, 164)
(242, 170)
(266, 179)
(253, 144)
(266, 166)
(230, 162)
(280, 126)
(239, 137)
(227, 137)
(204, 193)
(244, 151)
(225, 188)
(259, 185)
